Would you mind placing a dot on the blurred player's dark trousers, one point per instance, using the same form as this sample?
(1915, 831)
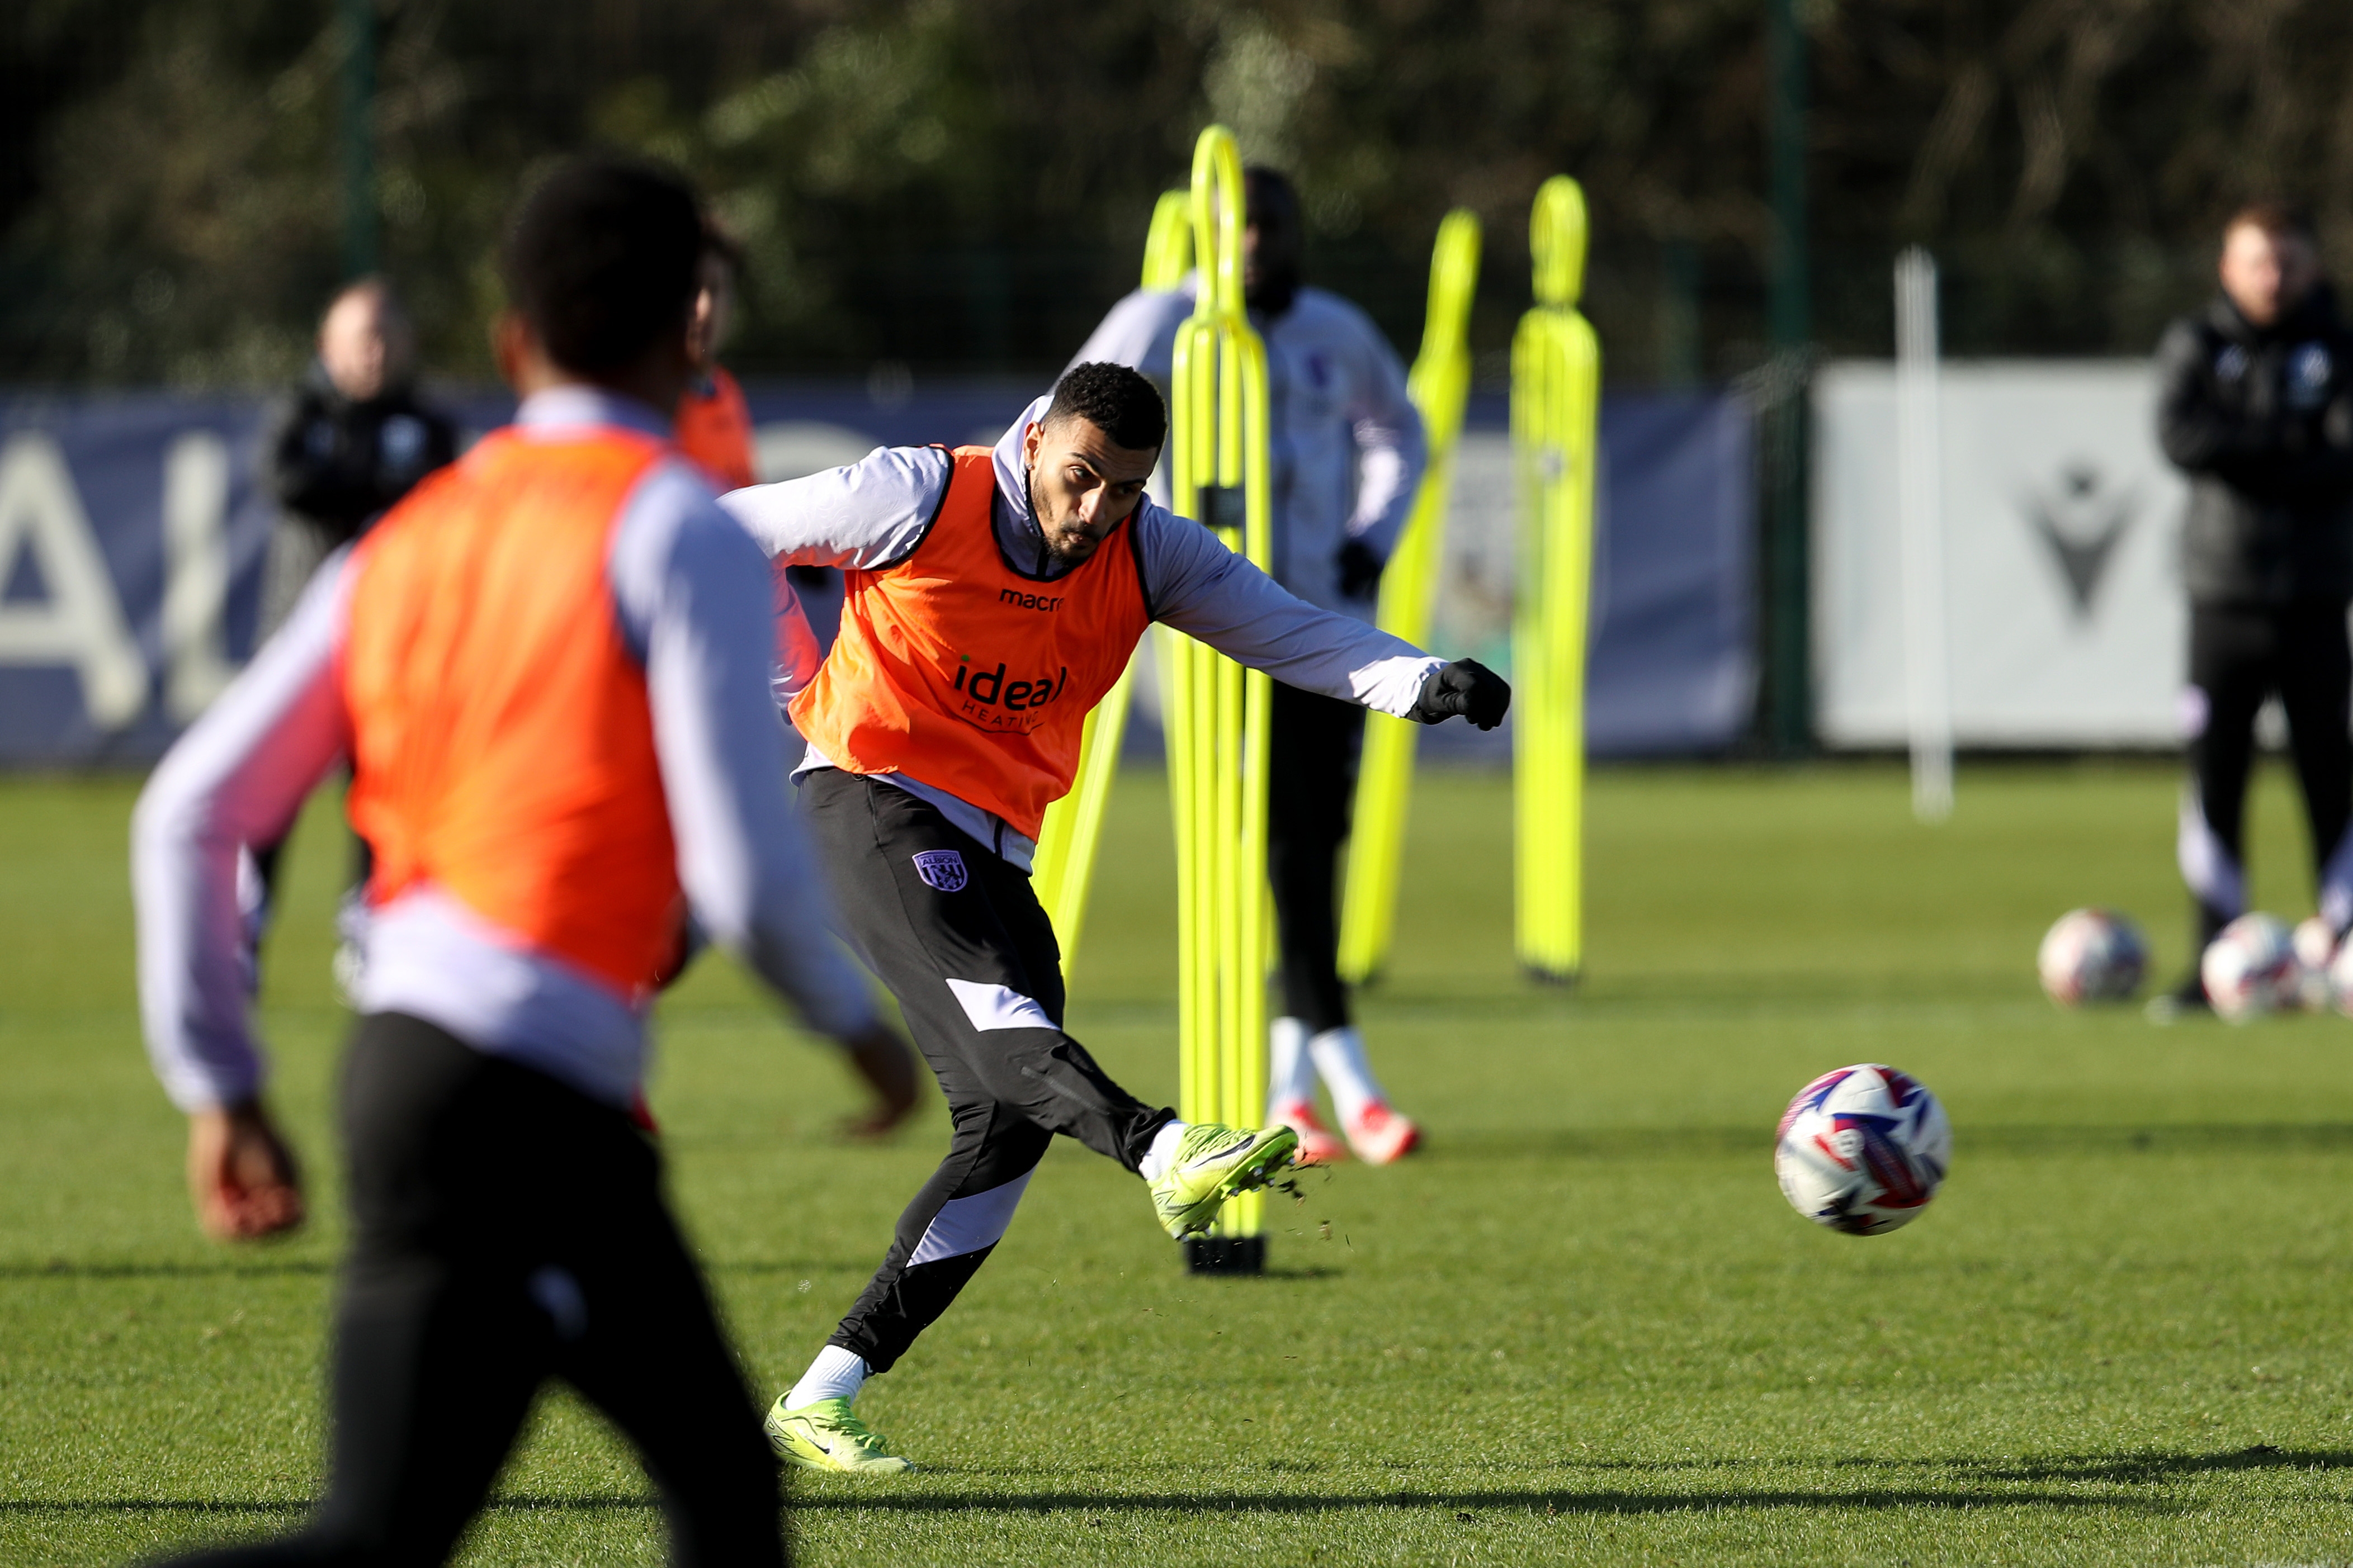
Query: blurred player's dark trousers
(2238, 657)
(1311, 790)
(959, 938)
(507, 1230)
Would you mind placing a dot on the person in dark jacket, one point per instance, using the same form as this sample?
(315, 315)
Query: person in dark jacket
(352, 441)
(2256, 408)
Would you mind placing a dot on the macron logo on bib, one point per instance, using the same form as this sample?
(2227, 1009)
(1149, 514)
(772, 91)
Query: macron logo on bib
(942, 869)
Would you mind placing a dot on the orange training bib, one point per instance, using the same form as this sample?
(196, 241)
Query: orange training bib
(503, 745)
(962, 673)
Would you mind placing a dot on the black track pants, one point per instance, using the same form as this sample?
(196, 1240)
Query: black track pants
(1310, 787)
(507, 1230)
(957, 935)
(2238, 657)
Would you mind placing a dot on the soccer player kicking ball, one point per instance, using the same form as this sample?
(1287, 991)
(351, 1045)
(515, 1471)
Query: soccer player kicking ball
(993, 597)
(549, 668)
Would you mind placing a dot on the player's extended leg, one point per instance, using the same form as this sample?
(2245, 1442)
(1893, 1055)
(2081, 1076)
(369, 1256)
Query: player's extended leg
(957, 935)
(2315, 687)
(1315, 745)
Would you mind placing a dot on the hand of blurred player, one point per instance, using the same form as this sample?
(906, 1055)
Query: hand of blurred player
(1466, 688)
(888, 1066)
(241, 1174)
(1360, 570)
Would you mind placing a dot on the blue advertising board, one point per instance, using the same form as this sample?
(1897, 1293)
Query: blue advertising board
(132, 529)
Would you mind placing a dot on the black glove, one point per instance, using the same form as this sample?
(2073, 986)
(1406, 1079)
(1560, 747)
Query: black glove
(1360, 570)
(1465, 687)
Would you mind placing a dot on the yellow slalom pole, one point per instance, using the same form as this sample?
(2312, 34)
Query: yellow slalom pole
(1440, 384)
(1168, 246)
(1063, 868)
(1217, 712)
(1556, 403)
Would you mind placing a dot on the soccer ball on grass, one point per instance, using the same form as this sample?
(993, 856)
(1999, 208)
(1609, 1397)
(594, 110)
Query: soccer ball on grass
(2091, 955)
(1862, 1150)
(2251, 969)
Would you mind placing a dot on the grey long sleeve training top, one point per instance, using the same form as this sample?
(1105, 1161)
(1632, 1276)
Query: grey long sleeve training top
(694, 604)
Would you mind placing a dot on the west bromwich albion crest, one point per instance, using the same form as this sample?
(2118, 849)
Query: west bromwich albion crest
(941, 868)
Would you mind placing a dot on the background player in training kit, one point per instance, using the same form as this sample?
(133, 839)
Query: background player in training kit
(550, 669)
(2256, 409)
(714, 424)
(1347, 453)
(994, 596)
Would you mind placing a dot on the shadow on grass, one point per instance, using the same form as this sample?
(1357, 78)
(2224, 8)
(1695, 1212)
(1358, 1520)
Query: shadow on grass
(2131, 1468)
(519, 1504)
(2119, 1468)
(63, 1268)
(1531, 1501)
(1556, 1501)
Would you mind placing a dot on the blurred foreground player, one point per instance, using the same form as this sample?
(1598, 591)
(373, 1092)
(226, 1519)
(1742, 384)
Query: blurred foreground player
(2256, 408)
(549, 668)
(995, 594)
(1348, 452)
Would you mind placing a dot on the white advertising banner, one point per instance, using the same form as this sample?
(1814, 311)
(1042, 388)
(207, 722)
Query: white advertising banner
(2063, 612)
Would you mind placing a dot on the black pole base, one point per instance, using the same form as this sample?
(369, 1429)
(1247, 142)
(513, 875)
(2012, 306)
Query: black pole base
(1225, 1255)
(1566, 979)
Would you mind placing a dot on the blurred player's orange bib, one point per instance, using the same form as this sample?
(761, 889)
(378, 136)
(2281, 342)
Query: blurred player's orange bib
(502, 746)
(714, 429)
(958, 672)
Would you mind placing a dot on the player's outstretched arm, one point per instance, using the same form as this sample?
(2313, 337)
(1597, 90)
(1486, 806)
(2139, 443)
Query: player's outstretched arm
(241, 1175)
(236, 778)
(1206, 591)
(863, 516)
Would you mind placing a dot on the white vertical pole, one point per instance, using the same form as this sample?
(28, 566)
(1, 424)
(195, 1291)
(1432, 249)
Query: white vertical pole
(1920, 509)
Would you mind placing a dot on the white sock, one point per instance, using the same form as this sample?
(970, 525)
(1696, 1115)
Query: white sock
(1339, 1056)
(837, 1373)
(1163, 1153)
(1290, 1070)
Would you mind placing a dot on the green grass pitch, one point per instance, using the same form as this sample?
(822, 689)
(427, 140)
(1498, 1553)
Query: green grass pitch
(1582, 1327)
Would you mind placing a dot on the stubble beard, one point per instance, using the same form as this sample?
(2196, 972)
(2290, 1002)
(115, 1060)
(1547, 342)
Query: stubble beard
(1071, 549)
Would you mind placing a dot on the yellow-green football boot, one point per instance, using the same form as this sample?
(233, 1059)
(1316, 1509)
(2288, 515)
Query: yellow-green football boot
(1213, 1162)
(826, 1436)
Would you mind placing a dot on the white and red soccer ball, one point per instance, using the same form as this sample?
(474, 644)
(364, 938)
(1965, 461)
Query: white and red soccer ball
(1862, 1150)
(2315, 942)
(2251, 969)
(2091, 955)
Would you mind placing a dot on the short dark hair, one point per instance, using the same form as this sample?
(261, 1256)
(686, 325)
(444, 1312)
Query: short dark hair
(1115, 400)
(2274, 218)
(1265, 188)
(602, 260)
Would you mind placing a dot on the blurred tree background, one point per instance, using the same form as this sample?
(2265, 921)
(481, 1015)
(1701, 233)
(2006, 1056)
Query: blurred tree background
(962, 185)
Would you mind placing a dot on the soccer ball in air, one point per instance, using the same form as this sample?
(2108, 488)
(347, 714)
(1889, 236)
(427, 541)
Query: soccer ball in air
(2091, 955)
(1862, 1150)
(2251, 969)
